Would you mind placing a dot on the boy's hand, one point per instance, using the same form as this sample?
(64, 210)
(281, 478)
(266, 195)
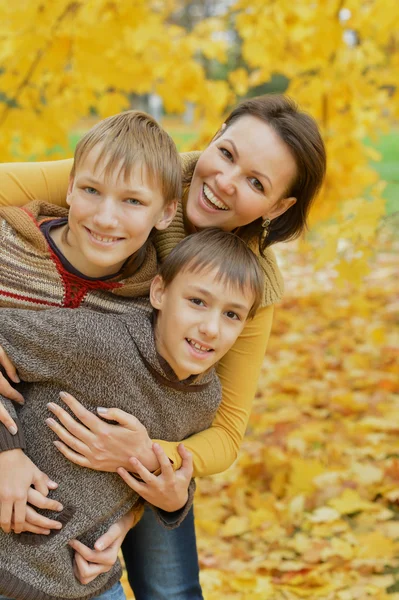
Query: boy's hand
(169, 490)
(8, 391)
(91, 442)
(88, 564)
(17, 474)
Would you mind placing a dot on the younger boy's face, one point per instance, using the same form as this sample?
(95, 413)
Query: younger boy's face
(199, 319)
(111, 216)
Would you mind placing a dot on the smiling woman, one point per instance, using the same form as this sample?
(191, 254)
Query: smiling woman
(258, 178)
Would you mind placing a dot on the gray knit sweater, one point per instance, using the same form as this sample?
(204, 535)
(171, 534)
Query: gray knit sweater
(101, 359)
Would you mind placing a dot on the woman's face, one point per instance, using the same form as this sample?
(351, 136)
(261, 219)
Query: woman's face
(242, 175)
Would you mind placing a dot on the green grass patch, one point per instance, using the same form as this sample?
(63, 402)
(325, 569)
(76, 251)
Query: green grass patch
(388, 167)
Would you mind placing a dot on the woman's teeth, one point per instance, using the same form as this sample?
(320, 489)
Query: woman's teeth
(210, 196)
(198, 346)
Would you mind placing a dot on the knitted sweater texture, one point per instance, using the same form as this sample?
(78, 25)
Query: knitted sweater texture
(32, 276)
(90, 355)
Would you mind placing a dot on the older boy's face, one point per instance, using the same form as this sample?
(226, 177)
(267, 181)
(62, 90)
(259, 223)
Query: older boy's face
(199, 320)
(111, 216)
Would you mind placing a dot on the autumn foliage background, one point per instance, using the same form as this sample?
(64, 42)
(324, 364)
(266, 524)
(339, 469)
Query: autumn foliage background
(311, 507)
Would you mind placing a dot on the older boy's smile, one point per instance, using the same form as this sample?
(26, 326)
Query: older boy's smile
(103, 239)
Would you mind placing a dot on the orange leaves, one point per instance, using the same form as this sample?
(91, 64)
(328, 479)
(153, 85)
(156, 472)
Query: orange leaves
(310, 508)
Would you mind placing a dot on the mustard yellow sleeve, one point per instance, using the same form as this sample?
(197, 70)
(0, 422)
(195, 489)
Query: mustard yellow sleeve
(215, 449)
(22, 182)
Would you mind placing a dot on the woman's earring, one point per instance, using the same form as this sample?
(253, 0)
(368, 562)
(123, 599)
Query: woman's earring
(265, 232)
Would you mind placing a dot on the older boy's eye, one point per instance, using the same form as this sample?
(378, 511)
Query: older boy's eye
(90, 190)
(133, 201)
(226, 153)
(197, 301)
(257, 184)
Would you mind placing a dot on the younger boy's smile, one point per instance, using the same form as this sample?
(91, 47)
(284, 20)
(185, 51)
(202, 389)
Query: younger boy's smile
(204, 317)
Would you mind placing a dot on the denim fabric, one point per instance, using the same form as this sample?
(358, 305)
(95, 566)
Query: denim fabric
(162, 564)
(115, 593)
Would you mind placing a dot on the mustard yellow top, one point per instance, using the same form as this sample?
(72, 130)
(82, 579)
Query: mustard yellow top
(214, 449)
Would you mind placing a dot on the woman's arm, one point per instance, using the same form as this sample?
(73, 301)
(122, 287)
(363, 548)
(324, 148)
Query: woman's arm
(22, 182)
(215, 449)
(90, 442)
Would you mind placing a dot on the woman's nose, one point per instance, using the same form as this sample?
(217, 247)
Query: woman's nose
(225, 183)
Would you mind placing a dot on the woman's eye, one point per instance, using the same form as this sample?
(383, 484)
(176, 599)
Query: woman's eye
(226, 153)
(256, 184)
(232, 315)
(90, 190)
(197, 301)
(133, 201)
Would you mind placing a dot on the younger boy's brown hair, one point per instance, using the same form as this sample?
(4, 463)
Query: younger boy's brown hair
(214, 249)
(133, 137)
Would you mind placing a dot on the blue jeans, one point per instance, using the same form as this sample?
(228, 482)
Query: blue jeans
(115, 593)
(162, 564)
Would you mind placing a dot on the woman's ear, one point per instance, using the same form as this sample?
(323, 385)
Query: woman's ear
(70, 188)
(157, 290)
(280, 208)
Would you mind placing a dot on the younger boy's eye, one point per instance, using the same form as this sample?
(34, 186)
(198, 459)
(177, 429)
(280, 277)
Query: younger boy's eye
(197, 301)
(232, 315)
(90, 190)
(226, 153)
(133, 201)
(257, 184)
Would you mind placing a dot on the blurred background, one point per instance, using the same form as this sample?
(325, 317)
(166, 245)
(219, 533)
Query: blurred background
(311, 507)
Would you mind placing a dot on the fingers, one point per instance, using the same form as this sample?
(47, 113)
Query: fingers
(133, 483)
(108, 538)
(89, 419)
(7, 420)
(76, 429)
(187, 467)
(88, 564)
(6, 510)
(164, 462)
(9, 392)
(36, 520)
(120, 416)
(34, 529)
(8, 366)
(78, 459)
(37, 499)
(105, 557)
(42, 483)
(19, 515)
(66, 437)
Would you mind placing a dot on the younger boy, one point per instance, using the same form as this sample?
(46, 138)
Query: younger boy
(207, 288)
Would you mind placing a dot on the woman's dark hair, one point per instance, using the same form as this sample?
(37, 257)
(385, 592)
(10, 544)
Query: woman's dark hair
(301, 134)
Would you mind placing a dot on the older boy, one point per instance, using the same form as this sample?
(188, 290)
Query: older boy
(207, 288)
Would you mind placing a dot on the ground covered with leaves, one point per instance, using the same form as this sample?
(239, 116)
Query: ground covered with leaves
(311, 507)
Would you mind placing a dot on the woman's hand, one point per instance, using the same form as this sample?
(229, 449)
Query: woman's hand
(169, 490)
(88, 564)
(99, 445)
(17, 474)
(8, 391)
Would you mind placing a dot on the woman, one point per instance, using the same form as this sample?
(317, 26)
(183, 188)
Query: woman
(258, 177)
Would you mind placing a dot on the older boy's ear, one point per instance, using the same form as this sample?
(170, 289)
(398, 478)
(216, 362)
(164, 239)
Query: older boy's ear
(156, 292)
(168, 214)
(69, 192)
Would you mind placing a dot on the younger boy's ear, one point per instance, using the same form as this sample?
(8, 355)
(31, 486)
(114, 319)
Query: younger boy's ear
(156, 292)
(168, 214)
(69, 192)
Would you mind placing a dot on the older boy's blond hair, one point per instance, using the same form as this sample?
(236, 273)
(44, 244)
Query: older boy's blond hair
(134, 138)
